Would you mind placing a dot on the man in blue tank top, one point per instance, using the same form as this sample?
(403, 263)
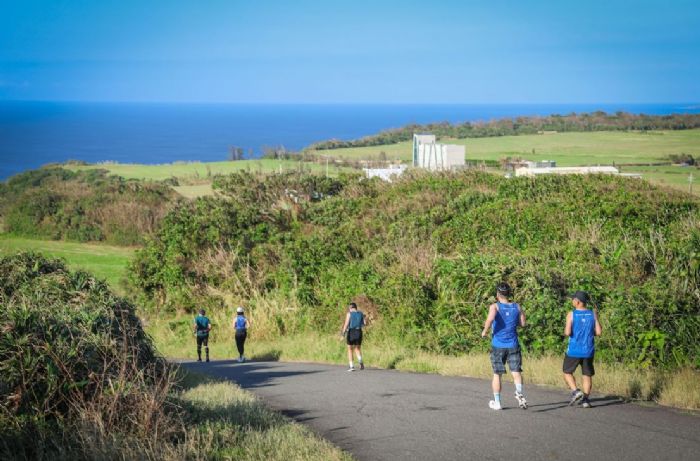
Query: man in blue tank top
(352, 330)
(582, 326)
(505, 317)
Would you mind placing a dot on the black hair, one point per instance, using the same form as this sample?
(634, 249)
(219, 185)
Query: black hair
(504, 289)
(353, 306)
(202, 312)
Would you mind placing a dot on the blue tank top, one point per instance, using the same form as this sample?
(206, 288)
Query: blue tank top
(582, 334)
(505, 326)
(355, 320)
(240, 322)
(202, 324)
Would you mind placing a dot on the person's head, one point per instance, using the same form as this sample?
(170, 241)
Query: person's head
(352, 306)
(580, 299)
(504, 291)
(240, 311)
(202, 312)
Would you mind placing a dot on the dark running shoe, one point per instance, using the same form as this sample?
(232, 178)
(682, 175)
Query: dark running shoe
(362, 366)
(576, 397)
(585, 403)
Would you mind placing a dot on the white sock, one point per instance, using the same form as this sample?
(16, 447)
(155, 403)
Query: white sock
(359, 358)
(351, 366)
(497, 396)
(519, 387)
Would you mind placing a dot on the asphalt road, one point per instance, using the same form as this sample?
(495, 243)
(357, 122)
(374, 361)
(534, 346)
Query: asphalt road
(391, 415)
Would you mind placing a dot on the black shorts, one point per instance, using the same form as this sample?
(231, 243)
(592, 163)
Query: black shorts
(203, 340)
(354, 337)
(571, 363)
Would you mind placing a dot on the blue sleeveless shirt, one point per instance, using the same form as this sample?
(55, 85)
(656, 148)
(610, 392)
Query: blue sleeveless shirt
(505, 325)
(582, 333)
(240, 322)
(355, 320)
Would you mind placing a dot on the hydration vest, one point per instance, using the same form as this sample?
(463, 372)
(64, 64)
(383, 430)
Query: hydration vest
(355, 320)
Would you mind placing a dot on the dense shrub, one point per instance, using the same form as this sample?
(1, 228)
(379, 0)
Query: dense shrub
(77, 372)
(55, 203)
(428, 249)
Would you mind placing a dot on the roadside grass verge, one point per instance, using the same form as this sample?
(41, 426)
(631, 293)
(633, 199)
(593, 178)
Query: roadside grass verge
(103, 261)
(677, 389)
(226, 422)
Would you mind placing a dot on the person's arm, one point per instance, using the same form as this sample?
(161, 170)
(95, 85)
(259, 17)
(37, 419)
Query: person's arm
(345, 324)
(598, 326)
(569, 321)
(194, 326)
(247, 323)
(208, 325)
(522, 316)
(489, 320)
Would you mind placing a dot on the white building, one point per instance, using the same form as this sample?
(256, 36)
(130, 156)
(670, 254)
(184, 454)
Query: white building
(433, 156)
(387, 174)
(567, 170)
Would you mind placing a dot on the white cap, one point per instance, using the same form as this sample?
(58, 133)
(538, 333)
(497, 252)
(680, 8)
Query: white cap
(239, 310)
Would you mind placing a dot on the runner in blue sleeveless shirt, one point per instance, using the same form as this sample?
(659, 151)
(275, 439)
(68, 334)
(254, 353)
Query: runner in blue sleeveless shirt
(352, 331)
(505, 317)
(241, 325)
(582, 326)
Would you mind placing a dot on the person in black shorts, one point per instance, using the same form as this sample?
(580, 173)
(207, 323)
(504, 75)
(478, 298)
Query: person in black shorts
(201, 328)
(582, 326)
(352, 330)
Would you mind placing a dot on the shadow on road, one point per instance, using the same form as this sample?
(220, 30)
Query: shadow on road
(248, 374)
(595, 403)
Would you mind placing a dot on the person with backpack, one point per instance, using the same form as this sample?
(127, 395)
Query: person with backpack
(582, 326)
(201, 328)
(241, 325)
(352, 330)
(505, 317)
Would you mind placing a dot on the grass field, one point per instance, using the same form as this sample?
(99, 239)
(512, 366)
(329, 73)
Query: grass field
(570, 149)
(104, 261)
(204, 170)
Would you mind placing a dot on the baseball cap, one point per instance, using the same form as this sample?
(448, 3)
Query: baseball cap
(581, 296)
(239, 310)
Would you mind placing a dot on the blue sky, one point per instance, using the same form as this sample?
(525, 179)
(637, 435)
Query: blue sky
(351, 51)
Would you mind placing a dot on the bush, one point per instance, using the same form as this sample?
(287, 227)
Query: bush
(55, 203)
(77, 372)
(428, 250)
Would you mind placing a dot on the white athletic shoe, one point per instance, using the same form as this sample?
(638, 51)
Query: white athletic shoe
(351, 369)
(494, 405)
(522, 403)
(576, 397)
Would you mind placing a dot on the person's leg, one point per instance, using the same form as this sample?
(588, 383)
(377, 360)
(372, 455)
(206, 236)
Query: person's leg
(199, 349)
(244, 336)
(206, 346)
(358, 354)
(570, 381)
(569, 366)
(350, 357)
(587, 385)
(239, 345)
(498, 363)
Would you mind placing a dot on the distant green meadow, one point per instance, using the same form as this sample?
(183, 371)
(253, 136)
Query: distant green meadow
(105, 262)
(203, 170)
(569, 149)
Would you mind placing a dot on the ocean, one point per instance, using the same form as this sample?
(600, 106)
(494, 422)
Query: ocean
(36, 133)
